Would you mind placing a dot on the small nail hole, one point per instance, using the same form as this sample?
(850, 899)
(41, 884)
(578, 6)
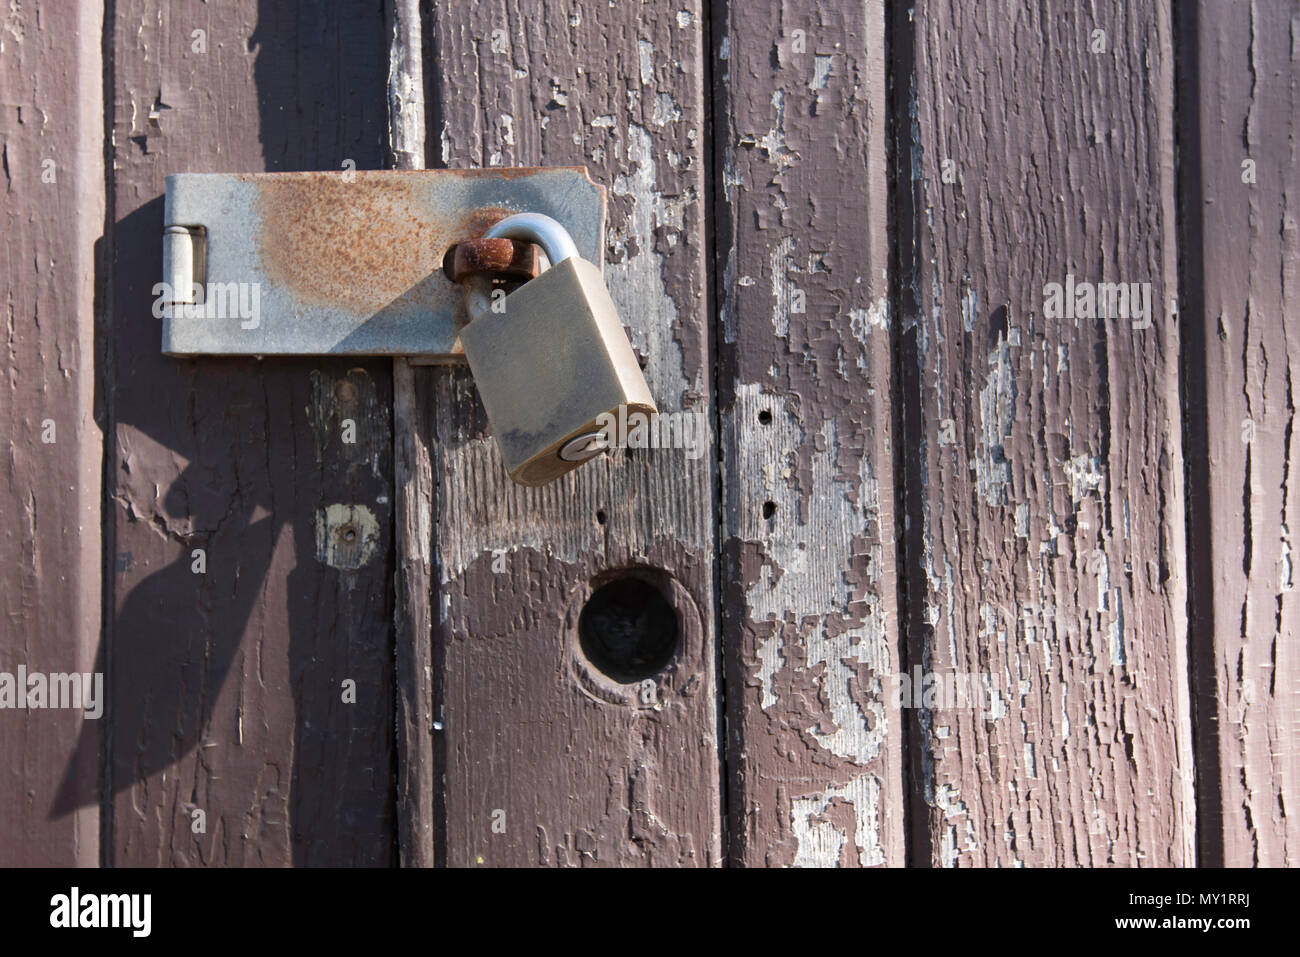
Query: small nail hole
(769, 509)
(765, 417)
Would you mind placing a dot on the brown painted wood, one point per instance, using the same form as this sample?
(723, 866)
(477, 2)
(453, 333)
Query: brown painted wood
(921, 468)
(51, 135)
(1043, 456)
(228, 686)
(810, 616)
(574, 768)
(1242, 280)
(413, 481)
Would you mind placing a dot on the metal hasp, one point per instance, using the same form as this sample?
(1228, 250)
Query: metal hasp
(346, 263)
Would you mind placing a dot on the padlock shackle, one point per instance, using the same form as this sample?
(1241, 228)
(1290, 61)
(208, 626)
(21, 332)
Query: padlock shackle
(537, 228)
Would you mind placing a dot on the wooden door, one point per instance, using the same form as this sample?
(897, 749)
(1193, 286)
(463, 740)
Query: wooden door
(985, 315)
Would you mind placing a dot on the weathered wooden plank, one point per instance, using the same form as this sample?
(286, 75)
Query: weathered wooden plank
(810, 616)
(413, 481)
(51, 151)
(229, 685)
(1042, 455)
(1241, 190)
(570, 766)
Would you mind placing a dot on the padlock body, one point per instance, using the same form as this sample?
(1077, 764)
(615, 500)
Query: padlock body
(549, 364)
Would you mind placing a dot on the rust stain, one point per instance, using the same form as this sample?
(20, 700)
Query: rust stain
(502, 258)
(309, 239)
(480, 220)
(362, 241)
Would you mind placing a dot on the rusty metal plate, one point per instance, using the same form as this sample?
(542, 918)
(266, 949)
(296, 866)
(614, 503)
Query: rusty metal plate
(343, 263)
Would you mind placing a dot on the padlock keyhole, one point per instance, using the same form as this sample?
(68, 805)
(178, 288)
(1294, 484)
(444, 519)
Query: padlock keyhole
(628, 630)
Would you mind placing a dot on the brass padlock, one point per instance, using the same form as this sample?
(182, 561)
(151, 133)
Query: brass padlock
(550, 358)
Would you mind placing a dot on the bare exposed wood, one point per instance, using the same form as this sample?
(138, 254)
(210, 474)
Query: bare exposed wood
(231, 684)
(571, 767)
(413, 477)
(1241, 191)
(1043, 454)
(413, 480)
(810, 621)
(405, 84)
(51, 136)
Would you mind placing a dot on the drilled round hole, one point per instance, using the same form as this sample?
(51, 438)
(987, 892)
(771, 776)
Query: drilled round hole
(628, 630)
(769, 509)
(348, 533)
(765, 417)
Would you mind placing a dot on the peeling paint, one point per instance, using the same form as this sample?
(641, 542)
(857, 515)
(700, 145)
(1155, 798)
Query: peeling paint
(821, 72)
(997, 415)
(666, 110)
(1086, 474)
(645, 56)
(773, 142)
(836, 623)
(636, 278)
(347, 536)
(782, 263)
(804, 395)
(820, 842)
(863, 321)
(770, 660)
